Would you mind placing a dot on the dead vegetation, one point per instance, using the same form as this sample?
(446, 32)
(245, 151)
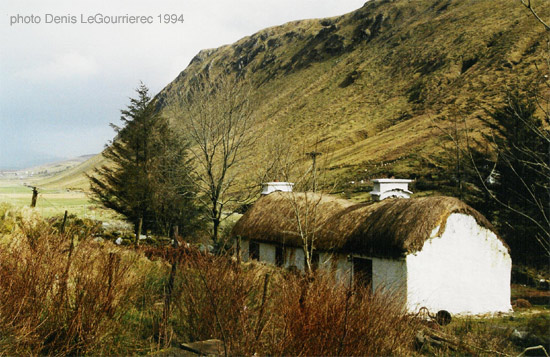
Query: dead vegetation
(61, 295)
(69, 294)
(256, 310)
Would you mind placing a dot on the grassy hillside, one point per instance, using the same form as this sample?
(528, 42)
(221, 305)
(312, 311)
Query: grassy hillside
(61, 186)
(73, 177)
(53, 168)
(371, 86)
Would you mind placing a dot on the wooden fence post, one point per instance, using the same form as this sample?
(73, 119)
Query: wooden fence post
(34, 196)
(64, 222)
(138, 233)
(165, 334)
(238, 249)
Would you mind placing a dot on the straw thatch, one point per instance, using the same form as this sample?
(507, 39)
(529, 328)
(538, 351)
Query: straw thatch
(390, 228)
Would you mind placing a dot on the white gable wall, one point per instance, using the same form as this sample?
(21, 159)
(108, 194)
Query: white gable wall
(465, 271)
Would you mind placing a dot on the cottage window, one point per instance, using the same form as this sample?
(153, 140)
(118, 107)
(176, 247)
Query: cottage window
(279, 256)
(362, 271)
(254, 250)
(314, 260)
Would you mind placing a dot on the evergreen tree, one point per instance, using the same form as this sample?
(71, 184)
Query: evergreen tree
(148, 175)
(522, 186)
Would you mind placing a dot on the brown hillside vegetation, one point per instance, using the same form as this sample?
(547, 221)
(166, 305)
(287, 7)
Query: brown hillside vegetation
(73, 178)
(371, 85)
(75, 295)
(368, 86)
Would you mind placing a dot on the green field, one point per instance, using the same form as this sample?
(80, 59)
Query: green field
(52, 202)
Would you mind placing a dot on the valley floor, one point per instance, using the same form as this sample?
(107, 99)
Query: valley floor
(52, 201)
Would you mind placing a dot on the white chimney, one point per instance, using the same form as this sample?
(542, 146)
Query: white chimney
(269, 187)
(386, 188)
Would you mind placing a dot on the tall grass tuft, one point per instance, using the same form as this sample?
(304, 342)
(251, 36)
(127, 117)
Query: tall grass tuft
(256, 310)
(60, 295)
(64, 293)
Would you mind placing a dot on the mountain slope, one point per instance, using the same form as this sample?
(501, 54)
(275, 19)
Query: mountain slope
(370, 85)
(373, 85)
(73, 177)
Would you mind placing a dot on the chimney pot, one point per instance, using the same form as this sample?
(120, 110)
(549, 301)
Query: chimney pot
(275, 186)
(386, 188)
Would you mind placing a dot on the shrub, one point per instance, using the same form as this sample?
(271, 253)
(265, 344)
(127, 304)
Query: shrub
(318, 316)
(259, 310)
(84, 227)
(217, 299)
(9, 218)
(59, 295)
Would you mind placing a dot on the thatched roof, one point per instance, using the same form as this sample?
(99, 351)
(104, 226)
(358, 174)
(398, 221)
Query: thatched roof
(390, 228)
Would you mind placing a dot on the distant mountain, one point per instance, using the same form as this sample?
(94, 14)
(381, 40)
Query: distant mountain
(372, 85)
(16, 158)
(59, 172)
(72, 176)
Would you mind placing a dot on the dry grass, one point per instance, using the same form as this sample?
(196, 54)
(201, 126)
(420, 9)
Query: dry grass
(260, 311)
(65, 294)
(62, 294)
(320, 317)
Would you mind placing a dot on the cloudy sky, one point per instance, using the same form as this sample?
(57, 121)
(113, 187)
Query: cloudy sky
(62, 84)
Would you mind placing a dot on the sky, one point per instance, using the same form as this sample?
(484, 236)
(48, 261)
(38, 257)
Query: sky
(61, 84)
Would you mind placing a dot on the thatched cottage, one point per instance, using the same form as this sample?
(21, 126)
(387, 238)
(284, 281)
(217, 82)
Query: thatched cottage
(435, 252)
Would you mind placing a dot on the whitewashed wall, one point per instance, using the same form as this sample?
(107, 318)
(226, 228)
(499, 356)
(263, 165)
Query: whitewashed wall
(344, 268)
(465, 271)
(294, 257)
(391, 276)
(267, 253)
(245, 244)
(325, 261)
(336, 263)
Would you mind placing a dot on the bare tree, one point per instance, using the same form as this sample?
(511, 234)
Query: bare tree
(454, 154)
(306, 215)
(217, 116)
(508, 173)
(522, 144)
(308, 173)
(529, 4)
